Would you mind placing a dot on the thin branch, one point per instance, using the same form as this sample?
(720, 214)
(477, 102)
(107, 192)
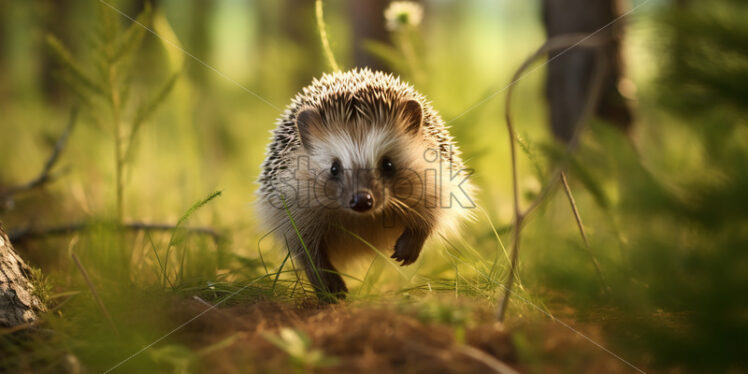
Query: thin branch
(574, 209)
(94, 293)
(563, 41)
(40, 233)
(492, 362)
(16, 328)
(578, 218)
(45, 175)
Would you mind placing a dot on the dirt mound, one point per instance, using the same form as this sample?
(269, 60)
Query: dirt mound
(358, 339)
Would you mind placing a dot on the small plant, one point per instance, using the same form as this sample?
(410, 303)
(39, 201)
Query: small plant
(299, 349)
(176, 242)
(402, 19)
(103, 85)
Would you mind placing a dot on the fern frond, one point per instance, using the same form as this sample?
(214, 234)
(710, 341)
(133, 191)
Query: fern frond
(148, 108)
(132, 38)
(65, 58)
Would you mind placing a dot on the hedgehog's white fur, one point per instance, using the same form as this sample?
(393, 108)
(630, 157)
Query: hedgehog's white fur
(362, 112)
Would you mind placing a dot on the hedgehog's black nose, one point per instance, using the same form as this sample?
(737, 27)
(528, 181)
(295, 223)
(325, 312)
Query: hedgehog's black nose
(361, 201)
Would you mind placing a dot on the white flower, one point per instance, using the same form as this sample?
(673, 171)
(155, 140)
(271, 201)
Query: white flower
(402, 14)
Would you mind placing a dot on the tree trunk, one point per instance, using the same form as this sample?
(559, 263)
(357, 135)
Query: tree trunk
(569, 74)
(368, 24)
(18, 304)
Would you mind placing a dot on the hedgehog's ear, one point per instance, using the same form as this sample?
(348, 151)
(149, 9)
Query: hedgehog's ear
(412, 116)
(308, 124)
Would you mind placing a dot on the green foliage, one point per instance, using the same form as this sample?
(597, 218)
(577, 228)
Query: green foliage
(194, 208)
(707, 60)
(40, 285)
(176, 239)
(104, 84)
(676, 281)
(75, 73)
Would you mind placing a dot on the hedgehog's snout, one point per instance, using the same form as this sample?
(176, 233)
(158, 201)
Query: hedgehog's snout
(361, 201)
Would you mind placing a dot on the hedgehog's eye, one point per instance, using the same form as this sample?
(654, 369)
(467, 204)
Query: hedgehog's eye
(387, 166)
(335, 168)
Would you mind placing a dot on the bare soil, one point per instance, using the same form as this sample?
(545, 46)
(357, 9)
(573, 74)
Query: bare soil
(363, 340)
(369, 338)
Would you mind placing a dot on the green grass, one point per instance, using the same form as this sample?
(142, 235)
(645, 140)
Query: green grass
(202, 133)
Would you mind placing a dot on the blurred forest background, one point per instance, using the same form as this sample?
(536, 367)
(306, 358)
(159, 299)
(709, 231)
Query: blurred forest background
(145, 214)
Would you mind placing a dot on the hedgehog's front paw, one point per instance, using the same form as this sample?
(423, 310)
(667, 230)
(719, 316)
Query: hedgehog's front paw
(335, 288)
(408, 247)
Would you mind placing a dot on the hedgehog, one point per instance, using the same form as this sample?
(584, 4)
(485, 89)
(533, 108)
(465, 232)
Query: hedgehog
(360, 162)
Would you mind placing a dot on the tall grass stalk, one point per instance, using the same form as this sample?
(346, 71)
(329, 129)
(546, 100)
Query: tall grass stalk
(177, 235)
(404, 38)
(301, 239)
(94, 293)
(323, 35)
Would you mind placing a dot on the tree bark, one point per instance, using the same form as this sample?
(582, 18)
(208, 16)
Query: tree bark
(569, 74)
(368, 24)
(18, 303)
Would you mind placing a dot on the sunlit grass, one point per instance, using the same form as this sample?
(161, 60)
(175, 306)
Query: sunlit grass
(210, 135)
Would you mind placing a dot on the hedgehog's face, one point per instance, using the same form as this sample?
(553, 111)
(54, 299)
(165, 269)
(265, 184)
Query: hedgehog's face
(364, 166)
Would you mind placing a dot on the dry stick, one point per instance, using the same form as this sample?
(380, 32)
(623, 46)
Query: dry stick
(45, 175)
(578, 218)
(323, 36)
(476, 354)
(574, 209)
(559, 42)
(492, 362)
(30, 233)
(95, 294)
(17, 328)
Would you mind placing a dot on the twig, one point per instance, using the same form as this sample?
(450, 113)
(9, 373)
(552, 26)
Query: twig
(574, 209)
(21, 327)
(558, 42)
(45, 175)
(476, 354)
(32, 233)
(486, 359)
(578, 218)
(94, 293)
(323, 36)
